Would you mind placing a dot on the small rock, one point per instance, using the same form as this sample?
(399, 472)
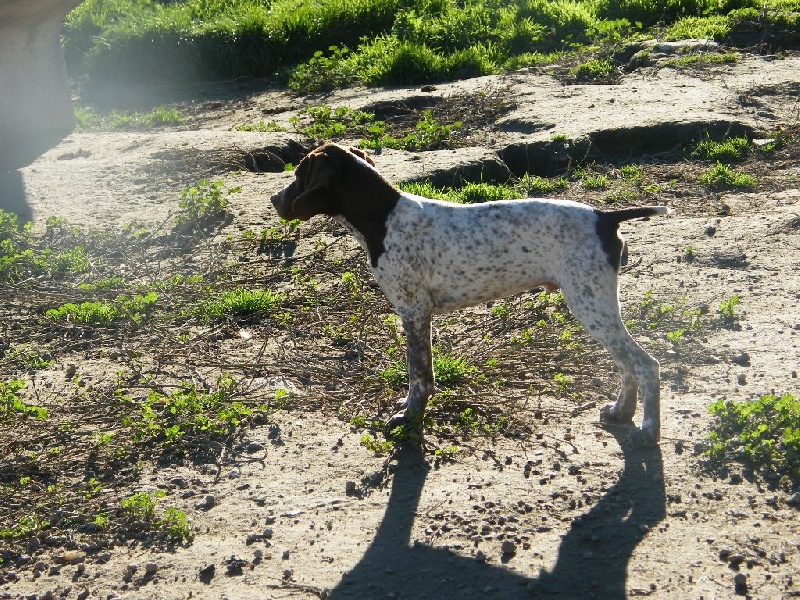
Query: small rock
(742, 359)
(267, 535)
(83, 595)
(70, 371)
(131, 568)
(235, 473)
(741, 379)
(508, 547)
(254, 447)
(794, 500)
(80, 569)
(151, 568)
(209, 502)
(285, 555)
(724, 554)
(54, 570)
(48, 595)
(735, 559)
(740, 583)
(40, 566)
(480, 556)
(104, 557)
(349, 487)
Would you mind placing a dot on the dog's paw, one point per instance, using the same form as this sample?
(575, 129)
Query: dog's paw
(405, 427)
(610, 413)
(642, 438)
(399, 419)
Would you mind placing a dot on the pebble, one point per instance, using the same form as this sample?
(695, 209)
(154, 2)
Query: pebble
(235, 473)
(40, 566)
(209, 502)
(480, 556)
(254, 447)
(151, 568)
(794, 500)
(508, 547)
(131, 568)
(83, 595)
(285, 555)
(740, 582)
(349, 487)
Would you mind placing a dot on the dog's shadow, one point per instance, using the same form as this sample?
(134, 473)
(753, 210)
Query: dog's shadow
(592, 558)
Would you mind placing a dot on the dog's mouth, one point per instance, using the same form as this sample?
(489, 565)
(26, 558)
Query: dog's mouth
(279, 203)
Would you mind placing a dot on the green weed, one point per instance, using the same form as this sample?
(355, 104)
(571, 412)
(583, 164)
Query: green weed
(727, 310)
(324, 123)
(260, 127)
(88, 120)
(722, 176)
(202, 205)
(168, 419)
(764, 434)
(101, 313)
(729, 150)
(12, 407)
(373, 445)
(592, 70)
(239, 304)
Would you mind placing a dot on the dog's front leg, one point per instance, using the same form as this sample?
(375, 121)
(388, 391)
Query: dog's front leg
(419, 362)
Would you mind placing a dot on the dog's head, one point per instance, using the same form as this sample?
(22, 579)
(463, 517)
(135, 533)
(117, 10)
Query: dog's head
(313, 190)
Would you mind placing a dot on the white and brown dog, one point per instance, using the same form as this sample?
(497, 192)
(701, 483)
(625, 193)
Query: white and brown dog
(433, 257)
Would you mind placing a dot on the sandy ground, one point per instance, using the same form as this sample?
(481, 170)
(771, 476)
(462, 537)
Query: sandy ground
(568, 513)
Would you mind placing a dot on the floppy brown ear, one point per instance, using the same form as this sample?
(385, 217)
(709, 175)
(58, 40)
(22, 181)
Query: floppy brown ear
(361, 154)
(322, 169)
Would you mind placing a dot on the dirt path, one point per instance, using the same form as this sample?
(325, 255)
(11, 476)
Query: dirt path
(302, 510)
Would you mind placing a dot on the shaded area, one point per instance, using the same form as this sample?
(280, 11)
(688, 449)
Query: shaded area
(592, 562)
(12, 196)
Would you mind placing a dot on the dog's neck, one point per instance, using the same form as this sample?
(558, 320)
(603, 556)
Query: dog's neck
(365, 202)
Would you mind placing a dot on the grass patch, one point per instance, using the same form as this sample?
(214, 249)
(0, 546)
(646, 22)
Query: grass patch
(721, 176)
(335, 43)
(102, 313)
(727, 151)
(763, 434)
(239, 304)
(161, 116)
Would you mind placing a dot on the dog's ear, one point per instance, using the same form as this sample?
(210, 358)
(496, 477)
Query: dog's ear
(362, 154)
(316, 172)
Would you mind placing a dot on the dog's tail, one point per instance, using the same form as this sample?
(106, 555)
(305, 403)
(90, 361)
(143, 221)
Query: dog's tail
(635, 212)
(608, 226)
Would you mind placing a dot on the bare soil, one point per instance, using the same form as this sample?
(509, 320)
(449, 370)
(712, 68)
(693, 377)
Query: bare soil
(556, 507)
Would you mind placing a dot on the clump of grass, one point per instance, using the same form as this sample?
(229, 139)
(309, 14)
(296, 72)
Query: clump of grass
(170, 420)
(764, 434)
(161, 116)
(427, 135)
(729, 150)
(449, 370)
(239, 304)
(260, 127)
(12, 407)
(721, 176)
(727, 310)
(102, 313)
(202, 205)
(323, 122)
(592, 70)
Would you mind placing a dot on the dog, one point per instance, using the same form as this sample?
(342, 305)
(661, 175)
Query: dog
(431, 257)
